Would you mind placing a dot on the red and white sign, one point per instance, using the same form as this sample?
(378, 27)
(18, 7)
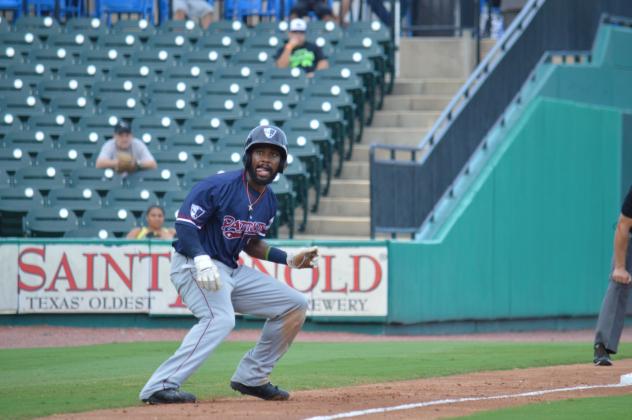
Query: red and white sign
(134, 278)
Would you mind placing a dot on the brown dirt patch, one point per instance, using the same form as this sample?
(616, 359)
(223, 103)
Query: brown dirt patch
(304, 404)
(47, 336)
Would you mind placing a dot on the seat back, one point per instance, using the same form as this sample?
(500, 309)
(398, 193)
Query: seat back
(100, 180)
(62, 160)
(210, 127)
(157, 180)
(75, 199)
(136, 200)
(13, 159)
(41, 178)
(154, 128)
(49, 222)
(118, 221)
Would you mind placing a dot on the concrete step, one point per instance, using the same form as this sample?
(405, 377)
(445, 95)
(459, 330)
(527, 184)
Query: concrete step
(426, 86)
(344, 207)
(337, 226)
(355, 170)
(392, 135)
(437, 56)
(361, 153)
(347, 188)
(404, 119)
(415, 102)
(313, 237)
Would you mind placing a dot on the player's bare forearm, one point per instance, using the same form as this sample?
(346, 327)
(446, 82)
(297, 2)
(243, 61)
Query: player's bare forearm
(257, 248)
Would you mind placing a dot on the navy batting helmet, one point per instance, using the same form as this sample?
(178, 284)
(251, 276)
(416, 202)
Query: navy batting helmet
(268, 135)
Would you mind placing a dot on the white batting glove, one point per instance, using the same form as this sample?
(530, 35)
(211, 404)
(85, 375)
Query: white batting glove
(304, 258)
(207, 273)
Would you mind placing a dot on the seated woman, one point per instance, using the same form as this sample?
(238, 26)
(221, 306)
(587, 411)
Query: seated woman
(155, 217)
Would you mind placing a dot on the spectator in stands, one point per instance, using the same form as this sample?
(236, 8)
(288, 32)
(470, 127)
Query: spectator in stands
(377, 7)
(299, 53)
(491, 19)
(193, 9)
(155, 217)
(321, 8)
(125, 153)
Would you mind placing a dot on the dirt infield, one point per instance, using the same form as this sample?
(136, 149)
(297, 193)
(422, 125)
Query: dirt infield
(305, 404)
(327, 402)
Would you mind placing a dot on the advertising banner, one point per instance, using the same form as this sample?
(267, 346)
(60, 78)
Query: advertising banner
(57, 277)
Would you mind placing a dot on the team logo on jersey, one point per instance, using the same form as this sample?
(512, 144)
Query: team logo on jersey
(196, 211)
(269, 132)
(233, 228)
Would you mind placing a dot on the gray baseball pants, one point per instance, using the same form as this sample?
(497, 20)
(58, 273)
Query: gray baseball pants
(246, 291)
(613, 309)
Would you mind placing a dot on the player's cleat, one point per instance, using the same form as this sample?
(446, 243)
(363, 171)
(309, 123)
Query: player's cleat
(602, 358)
(170, 396)
(265, 392)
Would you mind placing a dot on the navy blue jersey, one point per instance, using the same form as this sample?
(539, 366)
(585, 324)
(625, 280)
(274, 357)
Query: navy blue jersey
(218, 207)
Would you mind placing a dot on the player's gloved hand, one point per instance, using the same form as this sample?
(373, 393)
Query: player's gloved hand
(621, 275)
(207, 273)
(304, 258)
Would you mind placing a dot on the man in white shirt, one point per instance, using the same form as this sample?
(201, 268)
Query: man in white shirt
(125, 153)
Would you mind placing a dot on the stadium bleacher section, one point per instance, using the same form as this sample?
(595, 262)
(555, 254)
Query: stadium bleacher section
(190, 95)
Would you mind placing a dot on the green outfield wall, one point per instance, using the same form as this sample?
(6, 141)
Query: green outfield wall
(532, 238)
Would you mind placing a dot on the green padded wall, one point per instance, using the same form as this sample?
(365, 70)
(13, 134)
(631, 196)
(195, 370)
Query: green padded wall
(532, 238)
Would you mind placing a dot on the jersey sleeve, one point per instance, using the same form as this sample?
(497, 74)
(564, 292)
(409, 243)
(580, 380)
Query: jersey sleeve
(107, 150)
(144, 155)
(198, 206)
(626, 209)
(318, 54)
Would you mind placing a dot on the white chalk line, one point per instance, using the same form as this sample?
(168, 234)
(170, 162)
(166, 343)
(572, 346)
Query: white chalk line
(624, 382)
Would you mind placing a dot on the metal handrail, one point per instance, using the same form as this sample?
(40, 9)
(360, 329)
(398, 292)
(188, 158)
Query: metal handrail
(616, 20)
(432, 137)
(546, 58)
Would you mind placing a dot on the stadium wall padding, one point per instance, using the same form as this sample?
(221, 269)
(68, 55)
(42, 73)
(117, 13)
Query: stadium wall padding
(533, 237)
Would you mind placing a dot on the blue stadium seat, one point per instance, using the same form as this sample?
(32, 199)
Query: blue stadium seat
(143, 8)
(241, 9)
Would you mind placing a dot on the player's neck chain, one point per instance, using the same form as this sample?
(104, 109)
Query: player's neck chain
(251, 204)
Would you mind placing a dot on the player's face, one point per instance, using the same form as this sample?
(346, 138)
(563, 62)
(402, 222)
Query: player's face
(264, 163)
(155, 219)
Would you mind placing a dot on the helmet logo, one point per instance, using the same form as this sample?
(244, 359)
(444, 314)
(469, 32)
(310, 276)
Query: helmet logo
(269, 132)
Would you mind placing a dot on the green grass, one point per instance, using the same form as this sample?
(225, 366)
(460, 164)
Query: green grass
(36, 382)
(602, 408)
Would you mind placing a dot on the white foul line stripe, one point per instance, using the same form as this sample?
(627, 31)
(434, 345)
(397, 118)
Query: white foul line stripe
(626, 380)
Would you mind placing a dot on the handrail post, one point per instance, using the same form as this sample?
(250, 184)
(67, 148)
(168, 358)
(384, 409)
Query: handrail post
(477, 25)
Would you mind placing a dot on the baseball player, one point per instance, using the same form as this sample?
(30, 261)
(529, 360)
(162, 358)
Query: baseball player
(223, 215)
(612, 314)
